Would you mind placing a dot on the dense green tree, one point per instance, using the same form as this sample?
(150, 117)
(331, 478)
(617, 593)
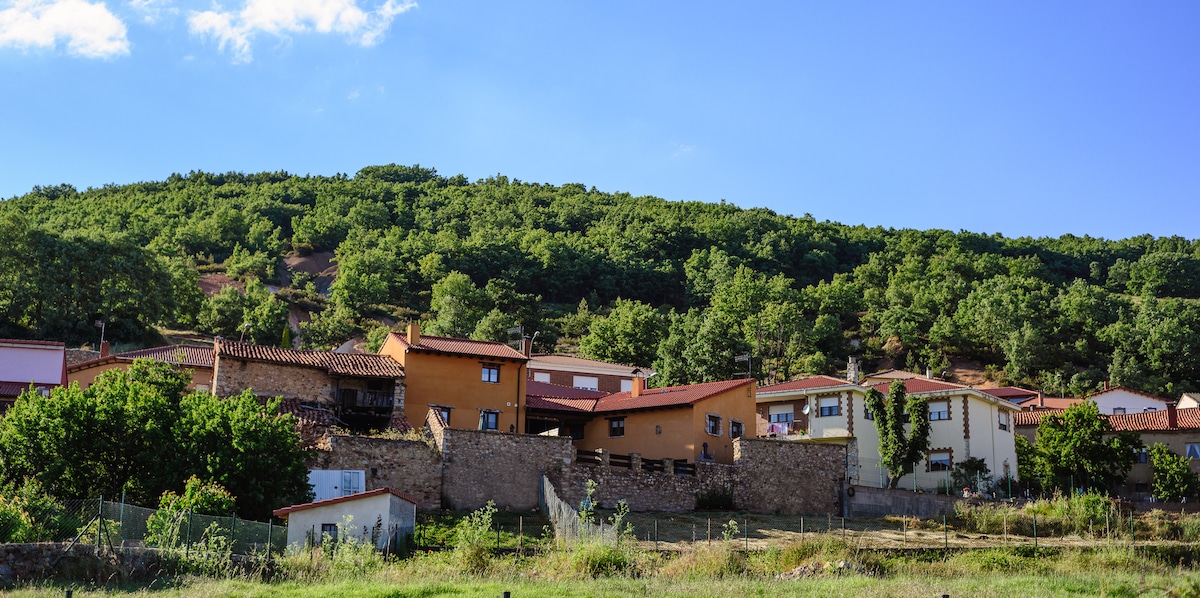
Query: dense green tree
(899, 450)
(1174, 480)
(629, 334)
(1080, 448)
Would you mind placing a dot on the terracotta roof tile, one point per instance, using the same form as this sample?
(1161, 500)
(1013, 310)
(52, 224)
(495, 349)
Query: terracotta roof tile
(333, 501)
(560, 404)
(1059, 403)
(14, 389)
(805, 384)
(918, 385)
(337, 364)
(462, 346)
(1032, 418)
(1153, 421)
(667, 397)
(193, 355)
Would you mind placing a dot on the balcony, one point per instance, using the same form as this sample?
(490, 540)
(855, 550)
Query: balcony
(784, 429)
(366, 401)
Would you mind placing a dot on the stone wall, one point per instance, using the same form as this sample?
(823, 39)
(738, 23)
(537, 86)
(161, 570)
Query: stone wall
(35, 562)
(410, 466)
(789, 478)
(479, 466)
(878, 502)
(231, 376)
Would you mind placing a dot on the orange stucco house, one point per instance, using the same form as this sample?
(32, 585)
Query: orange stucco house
(197, 358)
(474, 384)
(684, 423)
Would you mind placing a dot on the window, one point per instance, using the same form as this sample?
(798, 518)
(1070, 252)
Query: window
(939, 410)
(488, 420)
(1118, 411)
(1141, 455)
(541, 377)
(735, 428)
(329, 530)
(616, 427)
(780, 414)
(352, 481)
(491, 373)
(575, 431)
(939, 461)
(627, 386)
(1141, 487)
(830, 406)
(1150, 409)
(712, 424)
(1193, 451)
(586, 382)
(1004, 420)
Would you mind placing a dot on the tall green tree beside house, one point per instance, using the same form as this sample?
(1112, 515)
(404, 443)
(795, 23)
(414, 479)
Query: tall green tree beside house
(899, 450)
(1174, 479)
(1080, 448)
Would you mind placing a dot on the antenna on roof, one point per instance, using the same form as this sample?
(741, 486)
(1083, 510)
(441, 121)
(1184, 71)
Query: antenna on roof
(744, 358)
(519, 333)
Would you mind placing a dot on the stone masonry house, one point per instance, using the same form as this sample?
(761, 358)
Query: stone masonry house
(362, 391)
(965, 423)
(476, 385)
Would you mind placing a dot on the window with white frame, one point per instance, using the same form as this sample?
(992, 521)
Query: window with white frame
(779, 414)
(939, 410)
(1004, 420)
(1118, 411)
(712, 424)
(352, 481)
(541, 377)
(829, 406)
(626, 385)
(940, 461)
(1192, 450)
(1142, 456)
(586, 382)
(491, 373)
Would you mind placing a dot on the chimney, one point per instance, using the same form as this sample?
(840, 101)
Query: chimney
(1172, 416)
(1040, 402)
(928, 372)
(527, 346)
(639, 384)
(105, 349)
(852, 370)
(414, 333)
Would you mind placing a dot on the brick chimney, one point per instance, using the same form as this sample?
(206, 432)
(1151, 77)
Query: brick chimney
(105, 349)
(1172, 416)
(527, 346)
(414, 333)
(639, 384)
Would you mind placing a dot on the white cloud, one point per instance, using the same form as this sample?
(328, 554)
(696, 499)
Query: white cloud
(236, 30)
(89, 29)
(152, 10)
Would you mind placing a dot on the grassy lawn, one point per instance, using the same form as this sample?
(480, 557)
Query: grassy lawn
(995, 584)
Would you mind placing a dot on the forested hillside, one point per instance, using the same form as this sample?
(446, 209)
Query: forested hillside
(682, 286)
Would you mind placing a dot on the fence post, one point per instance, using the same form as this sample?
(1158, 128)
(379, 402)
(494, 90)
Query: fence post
(270, 536)
(656, 535)
(904, 528)
(1132, 533)
(1035, 533)
(1006, 528)
(187, 548)
(233, 532)
(710, 530)
(945, 533)
(99, 520)
(520, 533)
(802, 528)
(746, 531)
(843, 529)
(122, 516)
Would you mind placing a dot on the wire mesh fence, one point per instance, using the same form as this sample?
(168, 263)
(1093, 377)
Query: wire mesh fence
(117, 524)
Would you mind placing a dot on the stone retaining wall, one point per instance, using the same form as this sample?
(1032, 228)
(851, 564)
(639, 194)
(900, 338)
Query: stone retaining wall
(33, 562)
(878, 502)
(410, 466)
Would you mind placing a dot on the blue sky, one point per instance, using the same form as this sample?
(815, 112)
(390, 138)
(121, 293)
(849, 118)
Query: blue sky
(1040, 118)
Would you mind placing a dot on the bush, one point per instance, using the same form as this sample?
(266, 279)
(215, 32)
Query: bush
(471, 537)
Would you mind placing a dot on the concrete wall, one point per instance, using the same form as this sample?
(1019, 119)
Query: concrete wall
(409, 466)
(231, 376)
(878, 502)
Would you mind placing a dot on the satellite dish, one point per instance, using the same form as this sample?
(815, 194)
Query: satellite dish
(804, 409)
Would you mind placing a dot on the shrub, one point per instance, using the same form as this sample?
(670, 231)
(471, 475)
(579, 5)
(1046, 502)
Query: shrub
(471, 537)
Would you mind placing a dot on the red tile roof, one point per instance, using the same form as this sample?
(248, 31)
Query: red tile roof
(461, 346)
(1155, 421)
(893, 373)
(918, 385)
(667, 397)
(284, 512)
(1010, 392)
(1059, 403)
(194, 355)
(17, 341)
(805, 384)
(337, 364)
(1032, 418)
(560, 404)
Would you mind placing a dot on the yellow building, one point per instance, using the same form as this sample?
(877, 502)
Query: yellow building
(474, 384)
(693, 422)
(196, 358)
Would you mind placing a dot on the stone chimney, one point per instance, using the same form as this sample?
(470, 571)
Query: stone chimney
(105, 349)
(414, 333)
(852, 370)
(1172, 416)
(639, 384)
